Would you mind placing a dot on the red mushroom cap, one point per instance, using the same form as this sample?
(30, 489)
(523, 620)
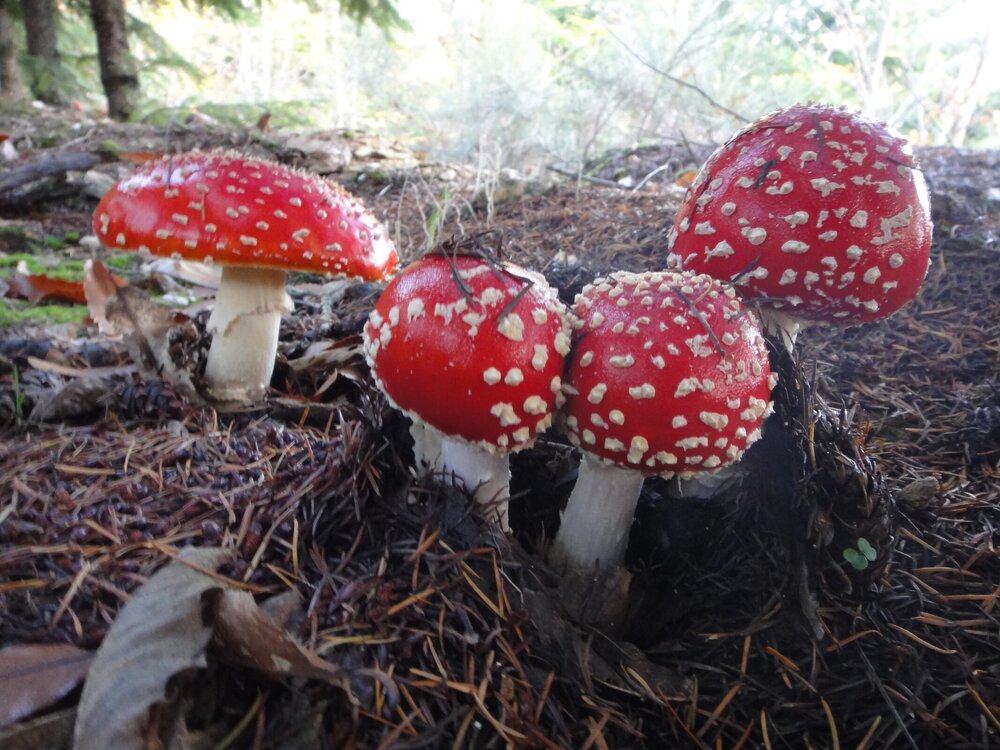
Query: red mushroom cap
(669, 373)
(238, 210)
(471, 347)
(814, 209)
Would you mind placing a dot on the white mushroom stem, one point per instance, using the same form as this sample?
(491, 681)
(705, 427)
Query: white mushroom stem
(426, 446)
(707, 484)
(595, 525)
(781, 324)
(244, 326)
(486, 475)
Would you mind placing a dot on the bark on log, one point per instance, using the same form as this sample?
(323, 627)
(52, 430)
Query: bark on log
(41, 29)
(31, 182)
(119, 70)
(12, 87)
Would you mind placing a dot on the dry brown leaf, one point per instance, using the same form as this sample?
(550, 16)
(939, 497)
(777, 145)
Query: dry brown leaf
(329, 355)
(34, 676)
(124, 310)
(190, 271)
(139, 157)
(68, 371)
(165, 630)
(158, 634)
(40, 287)
(247, 636)
(686, 179)
(74, 399)
(99, 285)
(51, 731)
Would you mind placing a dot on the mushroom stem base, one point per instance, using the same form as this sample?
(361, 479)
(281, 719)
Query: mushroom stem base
(782, 325)
(244, 325)
(706, 485)
(426, 447)
(487, 475)
(595, 525)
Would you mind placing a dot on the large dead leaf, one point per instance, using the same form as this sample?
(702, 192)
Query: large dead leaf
(50, 731)
(139, 157)
(158, 634)
(330, 355)
(99, 286)
(74, 399)
(145, 326)
(34, 676)
(40, 287)
(246, 635)
(192, 272)
(165, 630)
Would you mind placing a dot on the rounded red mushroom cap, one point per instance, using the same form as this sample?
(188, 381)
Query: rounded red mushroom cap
(472, 347)
(814, 210)
(238, 210)
(669, 373)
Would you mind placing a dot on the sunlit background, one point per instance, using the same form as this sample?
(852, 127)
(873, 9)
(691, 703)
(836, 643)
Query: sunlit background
(523, 83)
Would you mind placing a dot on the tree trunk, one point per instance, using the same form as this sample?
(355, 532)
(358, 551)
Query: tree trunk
(41, 30)
(119, 70)
(11, 84)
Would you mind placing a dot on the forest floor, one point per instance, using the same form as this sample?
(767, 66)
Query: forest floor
(746, 625)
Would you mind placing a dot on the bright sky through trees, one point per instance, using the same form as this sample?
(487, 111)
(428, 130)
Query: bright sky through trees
(542, 80)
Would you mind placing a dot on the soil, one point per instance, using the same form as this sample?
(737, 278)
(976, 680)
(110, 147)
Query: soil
(740, 621)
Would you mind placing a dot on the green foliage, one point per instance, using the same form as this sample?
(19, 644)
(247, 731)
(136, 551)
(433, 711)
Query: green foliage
(291, 114)
(18, 312)
(382, 13)
(860, 557)
(437, 218)
(70, 270)
(18, 394)
(235, 10)
(570, 13)
(553, 81)
(60, 268)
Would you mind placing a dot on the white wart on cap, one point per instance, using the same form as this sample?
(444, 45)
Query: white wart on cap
(257, 219)
(669, 375)
(474, 348)
(811, 210)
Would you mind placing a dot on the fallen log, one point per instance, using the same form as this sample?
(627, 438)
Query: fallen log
(35, 180)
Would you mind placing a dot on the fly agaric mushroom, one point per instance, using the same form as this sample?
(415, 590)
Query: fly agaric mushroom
(473, 348)
(815, 213)
(669, 376)
(257, 219)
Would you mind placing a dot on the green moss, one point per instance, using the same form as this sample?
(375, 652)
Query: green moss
(120, 261)
(12, 230)
(109, 148)
(13, 312)
(68, 270)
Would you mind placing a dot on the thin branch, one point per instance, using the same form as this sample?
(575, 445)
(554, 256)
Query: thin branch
(679, 81)
(700, 317)
(585, 177)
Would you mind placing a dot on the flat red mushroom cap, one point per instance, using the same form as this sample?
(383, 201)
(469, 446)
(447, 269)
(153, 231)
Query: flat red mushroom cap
(467, 346)
(238, 210)
(669, 374)
(814, 210)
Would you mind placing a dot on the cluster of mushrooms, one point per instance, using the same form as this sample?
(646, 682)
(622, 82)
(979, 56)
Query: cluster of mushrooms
(812, 213)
